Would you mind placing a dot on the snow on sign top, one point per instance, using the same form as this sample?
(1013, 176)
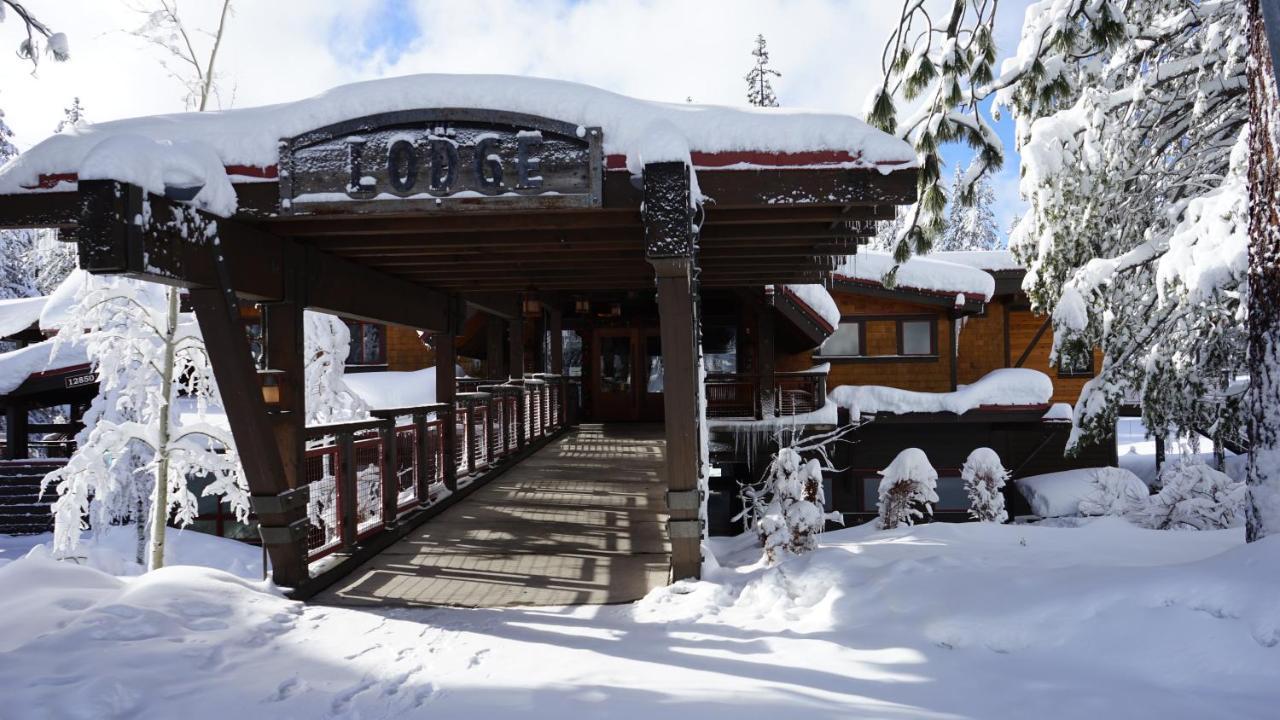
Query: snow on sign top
(921, 274)
(635, 132)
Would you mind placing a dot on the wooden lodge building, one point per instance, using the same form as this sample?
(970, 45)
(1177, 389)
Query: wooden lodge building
(547, 240)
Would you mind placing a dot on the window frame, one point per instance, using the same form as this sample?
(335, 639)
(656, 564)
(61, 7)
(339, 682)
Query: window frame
(356, 328)
(933, 335)
(1087, 372)
(861, 321)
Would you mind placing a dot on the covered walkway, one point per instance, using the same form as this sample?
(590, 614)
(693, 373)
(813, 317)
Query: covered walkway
(582, 520)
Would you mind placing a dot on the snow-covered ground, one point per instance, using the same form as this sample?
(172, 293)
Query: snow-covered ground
(938, 621)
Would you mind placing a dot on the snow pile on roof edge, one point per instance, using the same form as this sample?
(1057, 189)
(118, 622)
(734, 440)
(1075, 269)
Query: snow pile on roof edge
(644, 131)
(18, 314)
(1004, 386)
(922, 273)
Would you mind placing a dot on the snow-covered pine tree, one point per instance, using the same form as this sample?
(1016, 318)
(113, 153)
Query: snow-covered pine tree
(1193, 496)
(17, 247)
(984, 477)
(141, 445)
(1134, 162)
(908, 484)
(759, 87)
(29, 48)
(73, 116)
(970, 226)
(1262, 512)
(941, 67)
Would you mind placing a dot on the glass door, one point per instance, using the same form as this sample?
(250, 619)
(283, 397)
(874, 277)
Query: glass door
(615, 396)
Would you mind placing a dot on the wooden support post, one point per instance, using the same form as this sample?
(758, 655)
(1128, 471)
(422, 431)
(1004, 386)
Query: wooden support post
(669, 247)
(446, 392)
(426, 459)
(955, 352)
(15, 431)
(281, 510)
(515, 340)
(283, 342)
(390, 473)
(348, 492)
(496, 360)
(473, 442)
(555, 333)
(766, 363)
(522, 414)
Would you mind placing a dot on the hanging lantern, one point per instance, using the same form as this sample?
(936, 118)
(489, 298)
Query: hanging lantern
(582, 306)
(532, 308)
(271, 386)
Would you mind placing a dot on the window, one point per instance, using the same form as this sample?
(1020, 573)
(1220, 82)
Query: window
(915, 337)
(846, 341)
(368, 343)
(720, 346)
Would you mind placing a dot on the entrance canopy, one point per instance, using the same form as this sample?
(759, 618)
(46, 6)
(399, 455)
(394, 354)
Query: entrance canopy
(402, 200)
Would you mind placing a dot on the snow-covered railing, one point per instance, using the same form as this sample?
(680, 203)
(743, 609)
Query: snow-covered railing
(737, 395)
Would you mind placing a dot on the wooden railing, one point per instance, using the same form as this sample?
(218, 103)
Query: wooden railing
(738, 395)
(364, 476)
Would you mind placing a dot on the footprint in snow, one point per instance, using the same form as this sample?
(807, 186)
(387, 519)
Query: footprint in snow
(288, 689)
(477, 658)
(344, 698)
(369, 649)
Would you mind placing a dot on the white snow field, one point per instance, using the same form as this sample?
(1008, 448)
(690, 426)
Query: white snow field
(937, 621)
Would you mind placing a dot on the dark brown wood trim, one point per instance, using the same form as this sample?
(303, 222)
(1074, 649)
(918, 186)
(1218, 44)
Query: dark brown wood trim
(1035, 340)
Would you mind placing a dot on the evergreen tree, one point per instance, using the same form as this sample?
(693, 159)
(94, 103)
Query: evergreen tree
(17, 247)
(73, 117)
(759, 88)
(1262, 512)
(971, 226)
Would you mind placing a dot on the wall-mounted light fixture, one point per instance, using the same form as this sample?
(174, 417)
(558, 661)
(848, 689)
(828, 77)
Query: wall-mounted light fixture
(271, 385)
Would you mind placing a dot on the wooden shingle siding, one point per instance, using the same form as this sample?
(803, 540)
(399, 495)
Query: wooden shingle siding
(1023, 326)
(406, 351)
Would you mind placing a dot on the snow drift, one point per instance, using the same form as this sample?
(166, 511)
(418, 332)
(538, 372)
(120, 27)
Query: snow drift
(1004, 386)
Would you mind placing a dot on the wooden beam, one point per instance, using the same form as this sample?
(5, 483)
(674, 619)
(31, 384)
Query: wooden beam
(1035, 340)
(515, 347)
(496, 361)
(446, 392)
(321, 226)
(766, 362)
(175, 248)
(39, 210)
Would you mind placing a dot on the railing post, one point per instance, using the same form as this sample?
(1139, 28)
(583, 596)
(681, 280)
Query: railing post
(390, 472)
(348, 493)
(522, 410)
(446, 392)
(473, 447)
(423, 472)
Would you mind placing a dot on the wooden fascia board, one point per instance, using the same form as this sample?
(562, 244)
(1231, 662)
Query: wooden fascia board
(174, 249)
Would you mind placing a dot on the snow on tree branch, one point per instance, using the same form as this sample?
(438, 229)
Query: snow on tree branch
(55, 43)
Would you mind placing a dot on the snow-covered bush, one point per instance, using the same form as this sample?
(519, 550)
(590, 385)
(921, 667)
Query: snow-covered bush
(328, 340)
(1117, 492)
(796, 515)
(909, 482)
(984, 476)
(786, 508)
(1194, 496)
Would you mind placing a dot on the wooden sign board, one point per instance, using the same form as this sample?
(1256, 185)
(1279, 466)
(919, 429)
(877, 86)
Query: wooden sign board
(446, 160)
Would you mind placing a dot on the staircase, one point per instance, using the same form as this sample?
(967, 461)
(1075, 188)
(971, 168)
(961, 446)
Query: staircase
(22, 512)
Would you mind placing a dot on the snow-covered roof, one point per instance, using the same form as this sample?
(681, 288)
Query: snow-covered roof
(17, 365)
(989, 260)
(18, 314)
(919, 274)
(1004, 386)
(245, 141)
(391, 389)
(818, 300)
(57, 308)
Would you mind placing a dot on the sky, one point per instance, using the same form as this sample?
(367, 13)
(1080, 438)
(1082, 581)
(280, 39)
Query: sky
(828, 52)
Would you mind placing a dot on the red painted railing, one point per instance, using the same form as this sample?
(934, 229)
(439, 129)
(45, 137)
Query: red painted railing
(738, 395)
(362, 476)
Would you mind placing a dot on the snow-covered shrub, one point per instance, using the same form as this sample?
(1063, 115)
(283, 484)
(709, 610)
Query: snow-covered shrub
(1194, 496)
(909, 482)
(1117, 492)
(786, 508)
(984, 477)
(796, 515)
(329, 399)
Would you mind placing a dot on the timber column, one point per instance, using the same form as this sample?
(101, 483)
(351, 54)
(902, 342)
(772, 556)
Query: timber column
(447, 392)
(671, 249)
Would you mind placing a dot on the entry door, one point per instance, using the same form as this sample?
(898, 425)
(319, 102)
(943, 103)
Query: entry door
(616, 376)
(628, 375)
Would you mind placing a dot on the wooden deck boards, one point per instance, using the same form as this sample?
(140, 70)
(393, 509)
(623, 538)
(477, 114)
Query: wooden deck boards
(582, 521)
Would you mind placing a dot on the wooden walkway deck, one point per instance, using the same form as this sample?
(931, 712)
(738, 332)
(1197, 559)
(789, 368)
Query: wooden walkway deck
(582, 521)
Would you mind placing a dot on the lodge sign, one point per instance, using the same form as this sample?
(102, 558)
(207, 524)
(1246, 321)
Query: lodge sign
(446, 160)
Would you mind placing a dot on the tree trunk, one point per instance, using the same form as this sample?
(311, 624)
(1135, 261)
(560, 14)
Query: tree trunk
(1263, 509)
(140, 522)
(160, 503)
